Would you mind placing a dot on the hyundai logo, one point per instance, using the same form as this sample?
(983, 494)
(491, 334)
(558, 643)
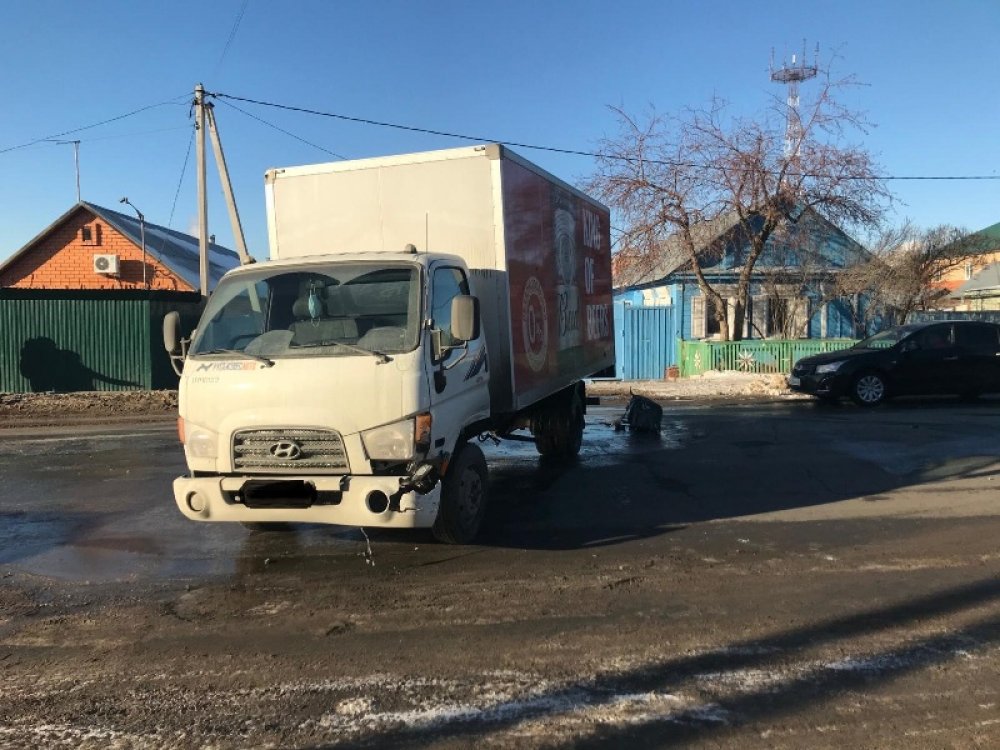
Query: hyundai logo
(288, 450)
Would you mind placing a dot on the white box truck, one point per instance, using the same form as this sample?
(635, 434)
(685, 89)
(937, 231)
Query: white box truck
(411, 304)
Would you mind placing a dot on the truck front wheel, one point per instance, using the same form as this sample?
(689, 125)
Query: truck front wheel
(463, 497)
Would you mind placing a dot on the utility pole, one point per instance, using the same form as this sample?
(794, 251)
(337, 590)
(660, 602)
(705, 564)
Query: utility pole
(227, 188)
(199, 105)
(205, 119)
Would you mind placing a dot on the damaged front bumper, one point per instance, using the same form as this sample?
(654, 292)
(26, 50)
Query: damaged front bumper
(374, 501)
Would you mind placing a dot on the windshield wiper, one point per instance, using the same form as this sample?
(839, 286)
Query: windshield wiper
(382, 356)
(260, 358)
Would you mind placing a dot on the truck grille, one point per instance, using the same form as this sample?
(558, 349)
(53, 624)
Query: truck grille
(289, 450)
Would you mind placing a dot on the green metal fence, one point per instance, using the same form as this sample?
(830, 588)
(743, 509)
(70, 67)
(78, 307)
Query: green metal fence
(755, 355)
(69, 340)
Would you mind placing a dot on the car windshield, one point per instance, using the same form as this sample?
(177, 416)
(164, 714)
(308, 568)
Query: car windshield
(338, 309)
(885, 339)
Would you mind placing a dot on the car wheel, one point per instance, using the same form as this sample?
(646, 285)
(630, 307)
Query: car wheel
(868, 389)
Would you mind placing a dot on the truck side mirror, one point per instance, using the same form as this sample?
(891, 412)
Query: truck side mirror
(171, 332)
(465, 317)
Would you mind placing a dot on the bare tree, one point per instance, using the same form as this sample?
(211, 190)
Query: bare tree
(677, 181)
(901, 274)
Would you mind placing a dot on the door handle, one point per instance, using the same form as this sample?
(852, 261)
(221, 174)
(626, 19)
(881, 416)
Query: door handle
(951, 359)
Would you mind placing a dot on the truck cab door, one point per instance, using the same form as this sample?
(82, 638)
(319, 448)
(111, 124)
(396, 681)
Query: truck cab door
(458, 371)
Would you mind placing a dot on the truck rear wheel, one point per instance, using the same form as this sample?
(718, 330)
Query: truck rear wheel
(559, 431)
(463, 498)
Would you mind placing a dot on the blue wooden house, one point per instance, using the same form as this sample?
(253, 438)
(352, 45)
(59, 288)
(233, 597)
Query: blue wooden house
(658, 301)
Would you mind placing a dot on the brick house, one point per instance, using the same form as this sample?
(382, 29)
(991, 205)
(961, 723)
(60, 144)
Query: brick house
(82, 304)
(84, 247)
(964, 289)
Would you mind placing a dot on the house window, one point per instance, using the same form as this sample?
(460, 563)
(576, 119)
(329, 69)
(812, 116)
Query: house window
(787, 317)
(712, 325)
(90, 234)
(777, 317)
(704, 323)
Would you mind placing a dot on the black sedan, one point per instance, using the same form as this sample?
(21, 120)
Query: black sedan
(949, 357)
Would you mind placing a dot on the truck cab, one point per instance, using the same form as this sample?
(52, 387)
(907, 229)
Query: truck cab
(337, 390)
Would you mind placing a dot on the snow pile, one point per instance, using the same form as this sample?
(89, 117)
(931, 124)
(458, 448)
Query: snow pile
(713, 384)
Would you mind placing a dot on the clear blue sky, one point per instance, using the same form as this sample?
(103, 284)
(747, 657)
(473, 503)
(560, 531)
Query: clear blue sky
(521, 70)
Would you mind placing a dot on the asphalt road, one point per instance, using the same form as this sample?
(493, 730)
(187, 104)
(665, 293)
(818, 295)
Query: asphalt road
(771, 575)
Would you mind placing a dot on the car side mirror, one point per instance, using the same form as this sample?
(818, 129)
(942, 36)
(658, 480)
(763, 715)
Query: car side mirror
(909, 346)
(465, 317)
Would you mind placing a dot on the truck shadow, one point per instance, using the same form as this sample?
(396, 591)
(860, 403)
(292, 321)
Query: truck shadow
(714, 464)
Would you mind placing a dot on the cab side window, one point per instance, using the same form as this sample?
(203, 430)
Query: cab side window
(448, 283)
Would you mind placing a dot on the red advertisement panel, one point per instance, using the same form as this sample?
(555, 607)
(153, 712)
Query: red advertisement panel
(559, 270)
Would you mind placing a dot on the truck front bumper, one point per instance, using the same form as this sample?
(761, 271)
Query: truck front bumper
(217, 498)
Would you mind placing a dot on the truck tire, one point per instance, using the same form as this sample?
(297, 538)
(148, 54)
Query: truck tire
(463, 497)
(559, 432)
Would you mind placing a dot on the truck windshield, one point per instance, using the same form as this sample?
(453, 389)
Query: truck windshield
(340, 309)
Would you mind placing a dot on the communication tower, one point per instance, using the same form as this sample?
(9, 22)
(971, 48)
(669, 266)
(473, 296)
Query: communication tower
(792, 75)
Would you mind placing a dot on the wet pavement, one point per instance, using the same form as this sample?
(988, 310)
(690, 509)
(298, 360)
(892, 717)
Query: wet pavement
(756, 575)
(95, 504)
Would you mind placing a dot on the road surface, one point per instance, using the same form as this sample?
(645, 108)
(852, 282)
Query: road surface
(770, 575)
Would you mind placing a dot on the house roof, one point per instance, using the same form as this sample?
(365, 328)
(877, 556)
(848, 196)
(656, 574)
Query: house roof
(991, 232)
(723, 246)
(178, 251)
(987, 280)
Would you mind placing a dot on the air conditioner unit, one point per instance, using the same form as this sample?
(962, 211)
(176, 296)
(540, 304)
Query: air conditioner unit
(106, 264)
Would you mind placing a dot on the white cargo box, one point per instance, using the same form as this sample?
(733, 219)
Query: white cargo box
(539, 251)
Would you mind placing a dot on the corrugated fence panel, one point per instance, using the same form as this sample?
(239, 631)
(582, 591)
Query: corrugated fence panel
(928, 316)
(79, 341)
(753, 355)
(649, 347)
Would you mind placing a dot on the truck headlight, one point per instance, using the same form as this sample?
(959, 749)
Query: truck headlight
(392, 442)
(828, 367)
(201, 443)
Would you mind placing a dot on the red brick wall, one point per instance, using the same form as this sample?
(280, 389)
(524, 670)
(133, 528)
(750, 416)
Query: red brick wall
(61, 260)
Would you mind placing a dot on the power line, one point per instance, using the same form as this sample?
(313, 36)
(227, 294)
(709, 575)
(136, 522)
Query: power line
(410, 128)
(232, 35)
(551, 149)
(282, 130)
(133, 135)
(54, 136)
(180, 182)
